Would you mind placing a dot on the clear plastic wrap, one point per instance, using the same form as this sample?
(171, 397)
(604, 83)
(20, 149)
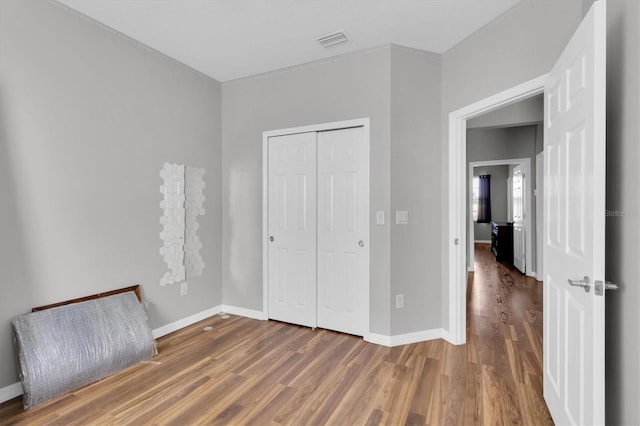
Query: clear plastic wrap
(64, 348)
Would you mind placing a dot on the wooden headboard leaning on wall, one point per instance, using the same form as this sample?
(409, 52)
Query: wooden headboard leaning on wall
(134, 288)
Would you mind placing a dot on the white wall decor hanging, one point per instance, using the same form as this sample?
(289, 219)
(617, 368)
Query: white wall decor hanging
(173, 222)
(182, 203)
(194, 186)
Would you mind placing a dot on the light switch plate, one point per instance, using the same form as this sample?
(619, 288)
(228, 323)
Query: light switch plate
(402, 217)
(380, 218)
(399, 301)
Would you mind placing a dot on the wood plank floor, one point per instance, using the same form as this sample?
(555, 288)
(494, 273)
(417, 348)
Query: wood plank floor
(264, 372)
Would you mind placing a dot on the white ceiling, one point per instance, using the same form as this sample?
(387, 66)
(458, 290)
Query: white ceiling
(229, 39)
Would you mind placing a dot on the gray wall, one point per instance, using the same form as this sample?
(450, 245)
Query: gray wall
(415, 163)
(502, 143)
(527, 111)
(87, 118)
(399, 90)
(499, 176)
(623, 195)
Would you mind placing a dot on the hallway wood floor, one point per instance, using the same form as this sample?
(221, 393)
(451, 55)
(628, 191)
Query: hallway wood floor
(265, 372)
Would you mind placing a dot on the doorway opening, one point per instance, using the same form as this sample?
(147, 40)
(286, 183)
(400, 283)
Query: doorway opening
(457, 241)
(505, 213)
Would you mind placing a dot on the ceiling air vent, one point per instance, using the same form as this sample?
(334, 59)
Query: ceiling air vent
(333, 39)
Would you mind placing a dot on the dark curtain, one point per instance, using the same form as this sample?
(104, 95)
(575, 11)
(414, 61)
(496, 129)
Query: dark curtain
(484, 199)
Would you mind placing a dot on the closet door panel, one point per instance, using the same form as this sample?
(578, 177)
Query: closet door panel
(343, 231)
(292, 229)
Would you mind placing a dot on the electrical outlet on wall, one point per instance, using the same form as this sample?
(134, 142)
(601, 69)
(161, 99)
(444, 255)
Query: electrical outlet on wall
(399, 301)
(184, 288)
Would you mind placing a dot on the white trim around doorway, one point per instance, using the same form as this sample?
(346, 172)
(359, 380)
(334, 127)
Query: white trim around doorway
(456, 237)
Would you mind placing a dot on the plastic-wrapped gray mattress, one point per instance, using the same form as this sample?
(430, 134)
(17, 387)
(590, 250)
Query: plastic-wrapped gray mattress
(64, 348)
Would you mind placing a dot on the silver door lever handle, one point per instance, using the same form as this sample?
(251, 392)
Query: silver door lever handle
(584, 283)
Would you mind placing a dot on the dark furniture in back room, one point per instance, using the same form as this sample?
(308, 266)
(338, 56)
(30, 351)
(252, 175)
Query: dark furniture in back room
(502, 241)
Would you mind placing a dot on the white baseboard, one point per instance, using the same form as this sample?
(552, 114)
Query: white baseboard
(449, 338)
(10, 392)
(184, 322)
(408, 338)
(249, 313)
(483, 241)
(378, 339)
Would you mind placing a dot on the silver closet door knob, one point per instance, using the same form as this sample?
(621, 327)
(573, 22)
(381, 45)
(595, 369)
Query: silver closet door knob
(271, 238)
(361, 243)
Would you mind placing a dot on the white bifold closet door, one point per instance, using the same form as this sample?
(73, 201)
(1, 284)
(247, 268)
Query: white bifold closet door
(319, 222)
(292, 229)
(343, 226)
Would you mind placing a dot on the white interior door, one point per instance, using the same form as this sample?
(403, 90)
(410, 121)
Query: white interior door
(292, 228)
(519, 251)
(574, 194)
(518, 208)
(343, 230)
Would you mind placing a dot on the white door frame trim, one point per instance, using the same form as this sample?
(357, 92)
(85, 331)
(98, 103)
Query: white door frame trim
(336, 125)
(456, 241)
(539, 196)
(525, 163)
